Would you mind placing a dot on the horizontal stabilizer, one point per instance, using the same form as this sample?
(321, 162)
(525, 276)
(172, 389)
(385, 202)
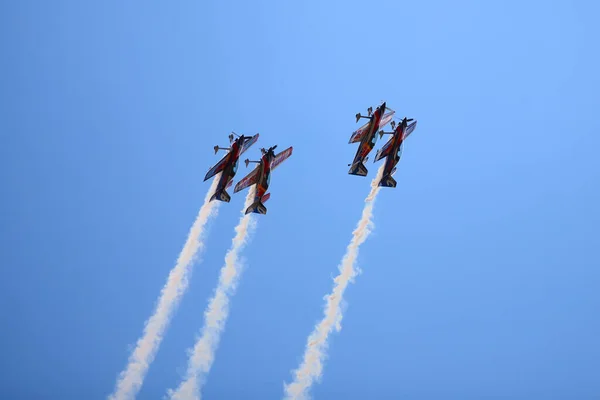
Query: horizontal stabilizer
(257, 208)
(221, 195)
(387, 181)
(265, 197)
(358, 169)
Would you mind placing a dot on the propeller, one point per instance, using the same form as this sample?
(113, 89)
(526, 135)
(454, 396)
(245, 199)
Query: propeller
(386, 107)
(401, 121)
(231, 136)
(264, 151)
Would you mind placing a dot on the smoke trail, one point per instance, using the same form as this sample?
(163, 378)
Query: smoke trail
(202, 355)
(131, 379)
(311, 367)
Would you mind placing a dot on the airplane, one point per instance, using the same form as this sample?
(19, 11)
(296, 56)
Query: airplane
(392, 150)
(261, 176)
(228, 164)
(367, 136)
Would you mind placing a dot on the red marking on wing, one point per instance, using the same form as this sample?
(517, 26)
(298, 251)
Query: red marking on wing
(281, 157)
(360, 132)
(248, 180)
(249, 143)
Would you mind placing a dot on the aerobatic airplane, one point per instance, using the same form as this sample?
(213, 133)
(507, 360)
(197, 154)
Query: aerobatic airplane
(228, 164)
(367, 136)
(261, 176)
(392, 150)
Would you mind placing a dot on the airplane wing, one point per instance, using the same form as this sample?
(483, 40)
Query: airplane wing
(387, 117)
(411, 127)
(281, 157)
(248, 143)
(360, 132)
(220, 166)
(384, 151)
(248, 180)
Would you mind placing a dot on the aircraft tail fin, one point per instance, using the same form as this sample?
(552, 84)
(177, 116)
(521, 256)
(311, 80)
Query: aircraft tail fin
(221, 195)
(387, 181)
(358, 169)
(257, 207)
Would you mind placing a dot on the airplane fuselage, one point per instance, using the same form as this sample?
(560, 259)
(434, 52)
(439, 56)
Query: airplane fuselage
(233, 158)
(264, 175)
(393, 157)
(368, 141)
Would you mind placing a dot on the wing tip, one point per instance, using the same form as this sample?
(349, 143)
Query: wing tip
(237, 187)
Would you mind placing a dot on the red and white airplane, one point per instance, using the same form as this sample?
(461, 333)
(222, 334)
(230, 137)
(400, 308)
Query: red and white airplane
(228, 164)
(367, 136)
(261, 176)
(392, 150)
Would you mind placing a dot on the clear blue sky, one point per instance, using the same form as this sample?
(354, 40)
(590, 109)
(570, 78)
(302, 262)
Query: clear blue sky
(481, 279)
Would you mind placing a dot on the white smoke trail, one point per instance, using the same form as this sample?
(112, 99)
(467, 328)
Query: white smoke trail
(202, 355)
(131, 379)
(311, 367)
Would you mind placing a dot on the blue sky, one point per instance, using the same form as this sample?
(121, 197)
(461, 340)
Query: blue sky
(481, 279)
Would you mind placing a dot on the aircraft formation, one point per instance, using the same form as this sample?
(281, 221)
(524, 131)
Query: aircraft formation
(260, 176)
(366, 136)
(224, 171)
